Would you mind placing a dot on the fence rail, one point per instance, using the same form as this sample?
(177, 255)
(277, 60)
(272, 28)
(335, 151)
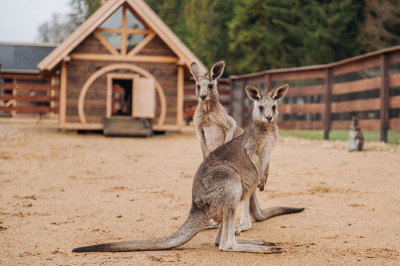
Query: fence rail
(22, 94)
(325, 97)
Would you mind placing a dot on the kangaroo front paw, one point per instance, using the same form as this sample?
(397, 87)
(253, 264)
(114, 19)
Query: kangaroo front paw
(242, 227)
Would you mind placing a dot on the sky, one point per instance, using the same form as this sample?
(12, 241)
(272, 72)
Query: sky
(20, 19)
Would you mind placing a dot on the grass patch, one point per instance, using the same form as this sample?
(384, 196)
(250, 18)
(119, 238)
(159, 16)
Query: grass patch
(393, 136)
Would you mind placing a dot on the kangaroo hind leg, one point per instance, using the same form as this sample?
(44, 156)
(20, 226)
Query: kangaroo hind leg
(229, 243)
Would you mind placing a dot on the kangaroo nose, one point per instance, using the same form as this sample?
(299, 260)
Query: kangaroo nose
(203, 96)
(269, 118)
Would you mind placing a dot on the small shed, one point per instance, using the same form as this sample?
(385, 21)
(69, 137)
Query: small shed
(122, 62)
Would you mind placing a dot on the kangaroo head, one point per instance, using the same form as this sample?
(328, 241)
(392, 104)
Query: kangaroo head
(265, 106)
(206, 85)
(354, 123)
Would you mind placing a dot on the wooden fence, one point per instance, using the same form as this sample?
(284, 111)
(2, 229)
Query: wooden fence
(28, 94)
(327, 96)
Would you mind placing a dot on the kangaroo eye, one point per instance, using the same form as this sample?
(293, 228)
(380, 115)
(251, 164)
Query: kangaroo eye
(210, 86)
(261, 108)
(198, 87)
(274, 108)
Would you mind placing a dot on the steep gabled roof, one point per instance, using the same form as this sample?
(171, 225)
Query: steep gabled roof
(23, 57)
(94, 21)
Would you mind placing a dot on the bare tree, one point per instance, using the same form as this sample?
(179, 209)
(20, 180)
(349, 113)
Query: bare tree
(57, 29)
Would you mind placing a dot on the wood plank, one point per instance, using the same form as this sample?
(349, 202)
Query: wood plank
(394, 80)
(142, 44)
(358, 105)
(301, 108)
(29, 109)
(356, 65)
(305, 91)
(384, 97)
(394, 123)
(144, 98)
(355, 86)
(136, 58)
(123, 33)
(79, 126)
(394, 57)
(105, 43)
(394, 101)
(328, 102)
(30, 87)
(303, 125)
(63, 93)
(28, 98)
(308, 74)
(370, 124)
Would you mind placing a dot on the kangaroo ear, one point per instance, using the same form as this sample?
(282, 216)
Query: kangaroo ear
(279, 92)
(253, 93)
(217, 69)
(195, 70)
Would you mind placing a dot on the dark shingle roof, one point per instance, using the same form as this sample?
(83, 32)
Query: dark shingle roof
(23, 57)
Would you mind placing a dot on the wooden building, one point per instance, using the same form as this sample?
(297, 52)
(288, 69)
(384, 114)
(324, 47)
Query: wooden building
(23, 90)
(123, 61)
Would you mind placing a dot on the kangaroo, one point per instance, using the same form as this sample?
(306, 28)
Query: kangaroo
(215, 127)
(356, 137)
(228, 175)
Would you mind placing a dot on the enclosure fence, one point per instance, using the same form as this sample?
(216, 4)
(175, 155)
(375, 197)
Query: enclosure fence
(22, 94)
(326, 97)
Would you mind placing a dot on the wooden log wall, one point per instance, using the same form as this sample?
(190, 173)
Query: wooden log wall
(325, 97)
(28, 94)
(78, 72)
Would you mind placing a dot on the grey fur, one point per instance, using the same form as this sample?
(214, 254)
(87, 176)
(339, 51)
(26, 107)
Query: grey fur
(356, 137)
(215, 127)
(228, 175)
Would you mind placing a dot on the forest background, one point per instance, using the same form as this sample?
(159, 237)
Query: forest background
(255, 35)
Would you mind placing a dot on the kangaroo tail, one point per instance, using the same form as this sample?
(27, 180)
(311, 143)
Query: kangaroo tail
(194, 223)
(259, 214)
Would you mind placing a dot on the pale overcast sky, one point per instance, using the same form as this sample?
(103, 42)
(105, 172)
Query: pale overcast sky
(20, 19)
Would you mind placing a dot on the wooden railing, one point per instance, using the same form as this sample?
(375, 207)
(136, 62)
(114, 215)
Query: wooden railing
(28, 94)
(327, 96)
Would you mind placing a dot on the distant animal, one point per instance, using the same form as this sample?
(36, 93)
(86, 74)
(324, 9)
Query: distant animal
(214, 127)
(356, 137)
(228, 175)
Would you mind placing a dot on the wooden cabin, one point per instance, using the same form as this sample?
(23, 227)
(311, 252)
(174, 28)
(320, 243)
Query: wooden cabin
(122, 62)
(23, 90)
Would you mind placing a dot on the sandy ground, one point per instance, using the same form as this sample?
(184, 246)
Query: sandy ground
(61, 190)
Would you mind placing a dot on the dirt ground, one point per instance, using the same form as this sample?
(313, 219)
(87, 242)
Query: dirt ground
(61, 190)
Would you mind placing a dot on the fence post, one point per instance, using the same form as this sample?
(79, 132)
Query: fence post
(231, 94)
(267, 82)
(328, 93)
(384, 97)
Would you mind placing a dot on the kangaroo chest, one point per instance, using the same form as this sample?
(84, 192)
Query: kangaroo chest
(265, 151)
(214, 136)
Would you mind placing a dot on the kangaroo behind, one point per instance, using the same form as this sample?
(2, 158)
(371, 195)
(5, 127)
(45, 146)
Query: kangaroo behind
(356, 137)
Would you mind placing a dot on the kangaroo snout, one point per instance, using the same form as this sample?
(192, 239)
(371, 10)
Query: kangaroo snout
(203, 97)
(268, 117)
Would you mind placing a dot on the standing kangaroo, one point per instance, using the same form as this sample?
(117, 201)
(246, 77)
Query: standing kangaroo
(215, 127)
(356, 137)
(228, 175)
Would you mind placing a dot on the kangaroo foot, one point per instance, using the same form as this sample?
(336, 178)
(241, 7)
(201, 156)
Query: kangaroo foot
(253, 242)
(251, 248)
(242, 227)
